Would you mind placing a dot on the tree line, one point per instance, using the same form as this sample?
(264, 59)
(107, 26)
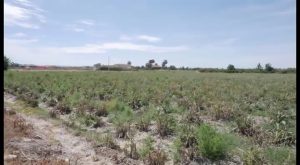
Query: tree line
(152, 65)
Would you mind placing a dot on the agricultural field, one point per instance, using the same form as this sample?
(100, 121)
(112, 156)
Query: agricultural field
(171, 117)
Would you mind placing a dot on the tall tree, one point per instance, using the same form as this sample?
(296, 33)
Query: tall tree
(230, 67)
(129, 63)
(259, 67)
(164, 63)
(269, 68)
(6, 62)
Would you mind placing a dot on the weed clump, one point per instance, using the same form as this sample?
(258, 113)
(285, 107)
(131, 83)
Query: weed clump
(253, 156)
(121, 116)
(245, 126)
(165, 125)
(150, 155)
(211, 144)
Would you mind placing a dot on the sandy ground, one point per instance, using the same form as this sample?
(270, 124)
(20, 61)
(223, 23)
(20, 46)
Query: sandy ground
(59, 142)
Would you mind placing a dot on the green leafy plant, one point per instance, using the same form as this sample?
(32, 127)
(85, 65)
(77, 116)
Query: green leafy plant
(146, 148)
(165, 124)
(253, 156)
(211, 144)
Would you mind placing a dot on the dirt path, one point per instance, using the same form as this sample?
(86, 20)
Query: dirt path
(74, 149)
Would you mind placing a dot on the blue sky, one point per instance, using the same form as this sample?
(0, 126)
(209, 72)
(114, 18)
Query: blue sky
(194, 33)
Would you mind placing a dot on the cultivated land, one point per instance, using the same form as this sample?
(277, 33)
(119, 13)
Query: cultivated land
(153, 117)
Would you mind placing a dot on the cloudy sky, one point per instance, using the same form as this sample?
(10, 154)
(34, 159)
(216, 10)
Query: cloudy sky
(194, 33)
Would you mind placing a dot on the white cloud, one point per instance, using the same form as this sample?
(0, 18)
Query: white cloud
(78, 30)
(148, 38)
(19, 41)
(125, 38)
(81, 25)
(103, 48)
(87, 22)
(140, 37)
(20, 35)
(22, 14)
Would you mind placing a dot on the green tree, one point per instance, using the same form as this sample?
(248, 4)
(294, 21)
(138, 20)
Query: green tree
(164, 63)
(172, 67)
(230, 68)
(269, 68)
(6, 62)
(259, 67)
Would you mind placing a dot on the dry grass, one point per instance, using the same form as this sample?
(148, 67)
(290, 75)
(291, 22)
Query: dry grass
(16, 127)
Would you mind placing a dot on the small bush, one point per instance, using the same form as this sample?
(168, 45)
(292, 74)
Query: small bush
(157, 157)
(122, 119)
(212, 144)
(52, 113)
(101, 110)
(245, 126)
(165, 125)
(192, 116)
(181, 154)
(222, 112)
(146, 148)
(143, 121)
(51, 102)
(105, 141)
(187, 135)
(99, 123)
(63, 108)
(253, 156)
(280, 156)
(131, 151)
(32, 102)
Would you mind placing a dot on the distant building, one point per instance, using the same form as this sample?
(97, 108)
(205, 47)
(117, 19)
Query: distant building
(122, 66)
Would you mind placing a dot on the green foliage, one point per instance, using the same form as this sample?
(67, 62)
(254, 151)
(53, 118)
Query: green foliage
(6, 63)
(181, 97)
(146, 148)
(279, 156)
(269, 68)
(143, 121)
(245, 125)
(211, 144)
(165, 124)
(253, 156)
(131, 151)
(121, 116)
(105, 140)
(230, 68)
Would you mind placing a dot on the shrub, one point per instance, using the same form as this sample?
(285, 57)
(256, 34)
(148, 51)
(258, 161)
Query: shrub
(222, 112)
(280, 156)
(122, 118)
(157, 157)
(253, 156)
(143, 121)
(245, 125)
(151, 155)
(165, 124)
(101, 110)
(146, 148)
(106, 141)
(52, 113)
(181, 154)
(131, 151)
(192, 116)
(98, 123)
(212, 144)
(187, 135)
(63, 108)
